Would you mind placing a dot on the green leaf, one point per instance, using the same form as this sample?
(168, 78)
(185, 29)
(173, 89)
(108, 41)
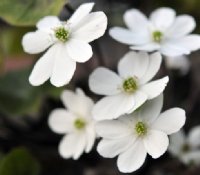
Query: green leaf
(19, 162)
(28, 12)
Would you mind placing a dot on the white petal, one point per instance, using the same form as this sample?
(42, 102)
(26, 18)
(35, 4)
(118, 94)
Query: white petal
(113, 129)
(61, 121)
(126, 36)
(155, 88)
(136, 21)
(132, 159)
(133, 64)
(183, 25)
(78, 102)
(48, 23)
(81, 12)
(151, 109)
(110, 148)
(79, 51)
(36, 42)
(43, 67)
(192, 157)
(149, 47)
(156, 143)
(72, 145)
(170, 121)
(63, 69)
(163, 18)
(91, 27)
(177, 141)
(90, 136)
(194, 137)
(112, 107)
(155, 60)
(102, 81)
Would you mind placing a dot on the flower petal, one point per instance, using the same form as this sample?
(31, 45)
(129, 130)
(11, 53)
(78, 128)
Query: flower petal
(194, 137)
(163, 17)
(72, 145)
(170, 121)
(36, 42)
(149, 47)
(48, 23)
(78, 102)
(183, 25)
(79, 51)
(81, 12)
(113, 129)
(155, 60)
(156, 143)
(112, 107)
(110, 148)
(63, 69)
(133, 64)
(43, 68)
(91, 27)
(126, 36)
(104, 82)
(132, 159)
(90, 137)
(155, 88)
(61, 121)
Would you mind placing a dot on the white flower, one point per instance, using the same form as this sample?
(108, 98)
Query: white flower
(128, 90)
(163, 32)
(180, 63)
(76, 122)
(187, 149)
(67, 43)
(133, 136)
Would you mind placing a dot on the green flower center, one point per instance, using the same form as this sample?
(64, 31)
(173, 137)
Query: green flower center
(79, 123)
(62, 34)
(140, 129)
(157, 36)
(185, 148)
(130, 85)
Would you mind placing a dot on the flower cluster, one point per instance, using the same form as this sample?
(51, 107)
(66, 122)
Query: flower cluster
(128, 119)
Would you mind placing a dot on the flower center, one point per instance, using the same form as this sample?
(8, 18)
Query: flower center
(62, 34)
(140, 129)
(157, 36)
(130, 85)
(185, 148)
(79, 123)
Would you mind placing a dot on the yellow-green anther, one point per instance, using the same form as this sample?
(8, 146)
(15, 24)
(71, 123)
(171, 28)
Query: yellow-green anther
(157, 36)
(140, 129)
(130, 85)
(79, 123)
(62, 34)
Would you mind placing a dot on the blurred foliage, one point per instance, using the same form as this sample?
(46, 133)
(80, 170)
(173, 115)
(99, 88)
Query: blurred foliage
(28, 12)
(19, 162)
(18, 97)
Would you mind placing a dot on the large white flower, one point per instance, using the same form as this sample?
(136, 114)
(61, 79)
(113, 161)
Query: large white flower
(187, 149)
(128, 90)
(163, 32)
(67, 43)
(133, 136)
(76, 122)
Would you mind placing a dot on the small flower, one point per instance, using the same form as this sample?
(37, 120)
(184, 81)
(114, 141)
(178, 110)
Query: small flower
(132, 136)
(128, 90)
(180, 63)
(187, 149)
(66, 43)
(163, 32)
(76, 122)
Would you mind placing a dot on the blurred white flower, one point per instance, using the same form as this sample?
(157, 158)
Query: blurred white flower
(180, 63)
(187, 149)
(76, 122)
(67, 43)
(128, 90)
(133, 136)
(163, 32)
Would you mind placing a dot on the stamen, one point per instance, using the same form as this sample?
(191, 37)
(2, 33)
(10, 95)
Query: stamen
(79, 123)
(62, 34)
(140, 129)
(130, 85)
(157, 36)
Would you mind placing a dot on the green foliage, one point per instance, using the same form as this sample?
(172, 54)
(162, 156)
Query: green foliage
(19, 162)
(28, 12)
(18, 97)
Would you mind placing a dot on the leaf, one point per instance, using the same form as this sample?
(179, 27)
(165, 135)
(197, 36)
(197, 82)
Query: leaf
(19, 162)
(28, 12)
